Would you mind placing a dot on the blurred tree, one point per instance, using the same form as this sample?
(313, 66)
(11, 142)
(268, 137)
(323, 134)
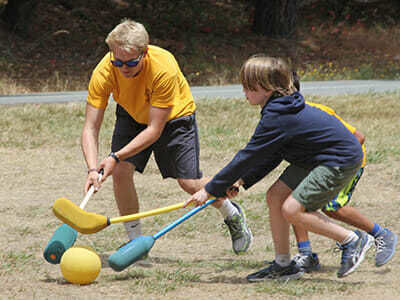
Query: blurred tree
(16, 14)
(275, 18)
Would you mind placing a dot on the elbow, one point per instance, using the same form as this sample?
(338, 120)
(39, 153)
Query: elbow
(360, 137)
(155, 134)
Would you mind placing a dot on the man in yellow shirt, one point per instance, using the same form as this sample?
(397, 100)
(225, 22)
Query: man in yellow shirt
(155, 114)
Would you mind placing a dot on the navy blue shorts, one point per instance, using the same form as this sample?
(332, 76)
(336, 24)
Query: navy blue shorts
(176, 152)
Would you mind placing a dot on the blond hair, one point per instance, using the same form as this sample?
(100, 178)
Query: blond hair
(128, 35)
(270, 73)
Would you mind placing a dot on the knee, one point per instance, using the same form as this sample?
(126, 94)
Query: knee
(288, 214)
(123, 171)
(276, 194)
(190, 186)
(291, 211)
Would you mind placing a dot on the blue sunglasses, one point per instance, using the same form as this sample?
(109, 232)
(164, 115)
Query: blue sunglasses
(130, 63)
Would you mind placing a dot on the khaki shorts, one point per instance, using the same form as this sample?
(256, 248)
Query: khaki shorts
(317, 187)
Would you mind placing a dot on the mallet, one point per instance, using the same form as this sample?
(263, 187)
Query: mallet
(65, 236)
(86, 222)
(139, 247)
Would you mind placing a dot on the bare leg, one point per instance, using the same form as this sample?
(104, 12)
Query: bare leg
(124, 189)
(315, 222)
(276, 195)
(300, 233)
(351, 216)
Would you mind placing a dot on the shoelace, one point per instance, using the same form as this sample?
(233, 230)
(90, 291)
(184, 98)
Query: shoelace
(234, 226)
(380, 244)
(300, 259)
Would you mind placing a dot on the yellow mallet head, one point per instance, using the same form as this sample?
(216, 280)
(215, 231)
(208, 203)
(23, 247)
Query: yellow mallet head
(80, 265)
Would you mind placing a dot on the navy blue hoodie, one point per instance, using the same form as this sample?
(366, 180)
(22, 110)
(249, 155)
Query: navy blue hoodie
(290, 130)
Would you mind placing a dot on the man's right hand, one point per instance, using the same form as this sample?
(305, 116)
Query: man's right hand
(92, 179)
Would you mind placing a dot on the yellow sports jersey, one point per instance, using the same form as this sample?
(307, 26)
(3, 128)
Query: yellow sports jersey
(160, 84)
(351, 128)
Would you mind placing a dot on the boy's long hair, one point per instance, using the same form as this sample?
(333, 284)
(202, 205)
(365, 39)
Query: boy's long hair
(270, 73)
(128, 35)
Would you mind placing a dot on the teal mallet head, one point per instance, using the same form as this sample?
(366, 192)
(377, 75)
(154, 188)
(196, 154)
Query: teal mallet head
(139, 247)
(63, 239)
(131, 252)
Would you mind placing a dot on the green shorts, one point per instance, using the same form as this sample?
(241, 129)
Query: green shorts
(316, 188)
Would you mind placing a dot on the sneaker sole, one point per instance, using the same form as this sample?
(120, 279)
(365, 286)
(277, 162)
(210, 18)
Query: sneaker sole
(368, 245)
(312, 269)
(391, 256)
(283, 278)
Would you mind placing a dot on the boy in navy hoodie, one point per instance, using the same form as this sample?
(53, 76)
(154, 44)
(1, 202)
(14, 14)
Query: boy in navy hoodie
(308, 139)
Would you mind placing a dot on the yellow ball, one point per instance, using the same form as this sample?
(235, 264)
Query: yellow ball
(80, 265)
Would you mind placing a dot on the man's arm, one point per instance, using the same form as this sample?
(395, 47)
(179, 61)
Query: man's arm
(360, 137)
(158, 117)
(90, 141)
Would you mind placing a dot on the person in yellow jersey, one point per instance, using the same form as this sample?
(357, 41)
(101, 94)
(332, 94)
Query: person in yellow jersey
(155, 113)
(385, 240)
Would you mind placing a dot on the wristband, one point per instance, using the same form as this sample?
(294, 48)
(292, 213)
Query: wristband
(113, 155)
(91, 170)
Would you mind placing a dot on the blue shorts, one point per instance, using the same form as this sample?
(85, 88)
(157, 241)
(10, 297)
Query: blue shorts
(176, 152)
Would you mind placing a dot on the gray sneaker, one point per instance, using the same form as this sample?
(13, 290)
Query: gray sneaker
(241, 235)
(354, 253)
(385, 244)
(307, 263)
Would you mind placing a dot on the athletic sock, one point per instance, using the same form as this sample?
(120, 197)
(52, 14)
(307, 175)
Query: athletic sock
(282, 259)
(376, 230)
(227, 209)
(304, 248)
(352, 237)
(133, 229)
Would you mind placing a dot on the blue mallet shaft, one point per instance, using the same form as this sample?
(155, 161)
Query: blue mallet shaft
(139, 247)
(182, 219)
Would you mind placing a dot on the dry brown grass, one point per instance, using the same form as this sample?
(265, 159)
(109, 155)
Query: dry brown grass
(195, 259)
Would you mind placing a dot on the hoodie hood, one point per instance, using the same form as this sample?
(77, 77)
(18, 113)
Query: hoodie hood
(284, 104)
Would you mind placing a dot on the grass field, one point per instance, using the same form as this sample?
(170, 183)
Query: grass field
(41, 161)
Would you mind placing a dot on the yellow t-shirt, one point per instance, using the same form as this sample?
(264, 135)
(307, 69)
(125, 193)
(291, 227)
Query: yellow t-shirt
(351, 128)
(160, 84)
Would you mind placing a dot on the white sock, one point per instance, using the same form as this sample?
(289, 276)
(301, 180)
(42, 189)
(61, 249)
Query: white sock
(282, 259)
(133, 229)
(227, 209)
(350, 238)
